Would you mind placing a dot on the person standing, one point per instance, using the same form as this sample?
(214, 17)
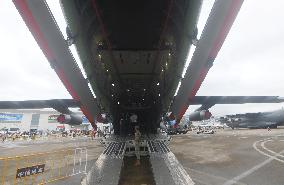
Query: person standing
(137, 137)
(133, 122)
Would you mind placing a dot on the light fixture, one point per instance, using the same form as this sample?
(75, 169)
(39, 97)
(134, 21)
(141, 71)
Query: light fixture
(127, 90)
(169, 54)
(158, 84)
(159, 94)
(107, 70)
(112, 95)
(143, 99)
(144, 89)
(162, 69)
(118, 102)
(166, 63)
(112, 84)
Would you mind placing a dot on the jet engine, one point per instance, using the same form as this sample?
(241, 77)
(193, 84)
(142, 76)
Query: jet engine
(200, 115)
(71, 119)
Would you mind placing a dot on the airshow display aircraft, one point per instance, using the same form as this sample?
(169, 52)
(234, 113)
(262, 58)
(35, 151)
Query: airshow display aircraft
(134, 53)
(271, 119)
(133, 58)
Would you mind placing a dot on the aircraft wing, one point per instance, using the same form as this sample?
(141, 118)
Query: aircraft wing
(209, 101)
(60, 105)
(206, 102)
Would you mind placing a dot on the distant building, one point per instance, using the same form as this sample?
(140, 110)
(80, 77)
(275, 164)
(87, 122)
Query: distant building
(35, 119)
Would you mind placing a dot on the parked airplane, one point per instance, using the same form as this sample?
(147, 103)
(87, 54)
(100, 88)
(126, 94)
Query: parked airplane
(256, 120)
(202, 113)
(130, 71)
(133, 65)
(133, 53)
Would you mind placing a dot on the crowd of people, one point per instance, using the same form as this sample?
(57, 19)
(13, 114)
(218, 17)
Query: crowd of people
(32, 135)
(6, 135)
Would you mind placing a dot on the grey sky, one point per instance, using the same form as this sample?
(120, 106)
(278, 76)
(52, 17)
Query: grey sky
(249, 63)
(25, 73)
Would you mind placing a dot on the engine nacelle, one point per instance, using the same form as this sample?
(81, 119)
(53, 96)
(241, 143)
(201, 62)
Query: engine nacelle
(71, 119)
(200, 115)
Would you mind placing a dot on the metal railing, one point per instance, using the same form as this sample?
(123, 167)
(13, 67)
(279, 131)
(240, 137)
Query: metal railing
(43, 168)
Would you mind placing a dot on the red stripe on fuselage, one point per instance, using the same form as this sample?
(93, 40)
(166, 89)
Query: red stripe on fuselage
(34, 28)
(89, 117)
(195, 88)
(225, 28)
(227, 24)
(31, 23)
(67, 84)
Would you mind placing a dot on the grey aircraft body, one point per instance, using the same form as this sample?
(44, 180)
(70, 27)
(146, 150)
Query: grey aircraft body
(256, 120)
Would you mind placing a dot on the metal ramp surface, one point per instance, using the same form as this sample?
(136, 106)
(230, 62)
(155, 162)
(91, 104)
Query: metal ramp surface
(166, 168)
(107, 168)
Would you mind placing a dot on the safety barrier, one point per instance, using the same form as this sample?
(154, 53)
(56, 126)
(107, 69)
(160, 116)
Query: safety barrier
(42, 168)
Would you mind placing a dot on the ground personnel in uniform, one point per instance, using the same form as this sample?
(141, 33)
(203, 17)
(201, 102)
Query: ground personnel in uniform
(137, 137)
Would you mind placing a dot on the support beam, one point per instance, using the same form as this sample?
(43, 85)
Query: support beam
(213, 36)
(45, 30)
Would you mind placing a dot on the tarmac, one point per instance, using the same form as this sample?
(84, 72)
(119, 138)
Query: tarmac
(244, 156)
(63, 159)
(252, 157)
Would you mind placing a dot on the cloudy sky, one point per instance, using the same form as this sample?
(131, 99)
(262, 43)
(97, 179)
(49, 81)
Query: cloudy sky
(249, 63)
